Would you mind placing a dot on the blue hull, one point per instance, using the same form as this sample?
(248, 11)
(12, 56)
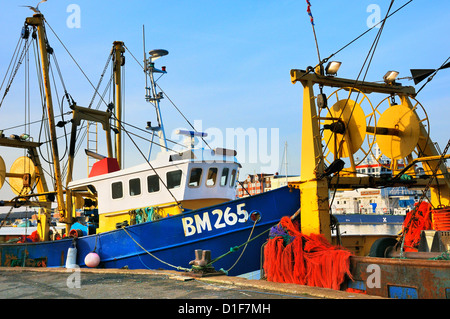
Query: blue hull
(173, 239)
(369, 219)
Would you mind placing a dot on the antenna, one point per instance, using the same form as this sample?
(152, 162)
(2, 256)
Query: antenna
(150, 91)
(314, 31)
(145, 60)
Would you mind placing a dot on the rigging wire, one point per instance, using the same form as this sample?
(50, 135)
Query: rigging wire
(27, 101)
(165, 94)
(17, 62)
(18, 45)
(73, 59)
(367, 61)
(96, 92)
(60, 106)
(364, 33)
(44, 130)
(108, 61)
(313, 28)
(181, 113)
(82, 132)
(83, 126)
(355, 39)
(432, 76)
(148, 162)
(424, 194)
(147, 132)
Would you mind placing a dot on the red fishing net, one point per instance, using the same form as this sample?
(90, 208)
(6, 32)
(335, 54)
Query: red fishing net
(291, 257)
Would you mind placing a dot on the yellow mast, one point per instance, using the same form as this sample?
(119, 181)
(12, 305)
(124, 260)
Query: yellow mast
(38, 21)
(119, 60)
(315, 217)
(65, 209)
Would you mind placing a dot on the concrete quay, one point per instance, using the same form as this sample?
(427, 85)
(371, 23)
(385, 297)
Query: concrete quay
(61, 283)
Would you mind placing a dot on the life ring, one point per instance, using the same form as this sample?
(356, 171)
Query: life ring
(385, 209)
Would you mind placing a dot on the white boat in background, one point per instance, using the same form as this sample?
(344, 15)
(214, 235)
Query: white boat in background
(373, 205)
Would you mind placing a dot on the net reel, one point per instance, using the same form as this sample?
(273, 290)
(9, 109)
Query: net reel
(2, 172)
(345, 126)
(22, 175)
(402, 132)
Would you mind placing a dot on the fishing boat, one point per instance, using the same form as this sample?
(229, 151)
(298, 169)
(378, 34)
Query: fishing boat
(341, 122)
(177, 211)
(414, 264)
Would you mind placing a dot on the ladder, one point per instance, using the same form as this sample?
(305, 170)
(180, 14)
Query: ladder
(92, 143)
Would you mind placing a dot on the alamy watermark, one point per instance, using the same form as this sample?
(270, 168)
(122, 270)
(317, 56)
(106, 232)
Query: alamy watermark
(373, 20)
(74, 19)
(374, 279)
(74, 279)
(260, 146)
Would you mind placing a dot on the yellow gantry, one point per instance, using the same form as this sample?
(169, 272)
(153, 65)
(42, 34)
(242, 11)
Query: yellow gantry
(400, 135)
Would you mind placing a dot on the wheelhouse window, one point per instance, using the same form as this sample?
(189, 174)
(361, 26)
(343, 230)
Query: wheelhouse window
(153, 183)
(117, 190)
(195, 178)
(212, 176)
(224, 177)
(135, 186)
(233, 178)
(173, 179)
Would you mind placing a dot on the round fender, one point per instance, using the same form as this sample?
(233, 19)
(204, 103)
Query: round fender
(92, 260)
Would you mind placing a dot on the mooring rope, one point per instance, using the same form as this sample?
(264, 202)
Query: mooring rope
(232, 249)
(160, 260)
(246, 243)
(236, 248)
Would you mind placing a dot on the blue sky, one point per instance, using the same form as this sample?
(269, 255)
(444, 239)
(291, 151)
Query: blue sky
(229, 61)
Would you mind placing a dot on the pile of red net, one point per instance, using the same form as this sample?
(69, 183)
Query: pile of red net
(415, 221)
(291, 257)
(34, 237)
